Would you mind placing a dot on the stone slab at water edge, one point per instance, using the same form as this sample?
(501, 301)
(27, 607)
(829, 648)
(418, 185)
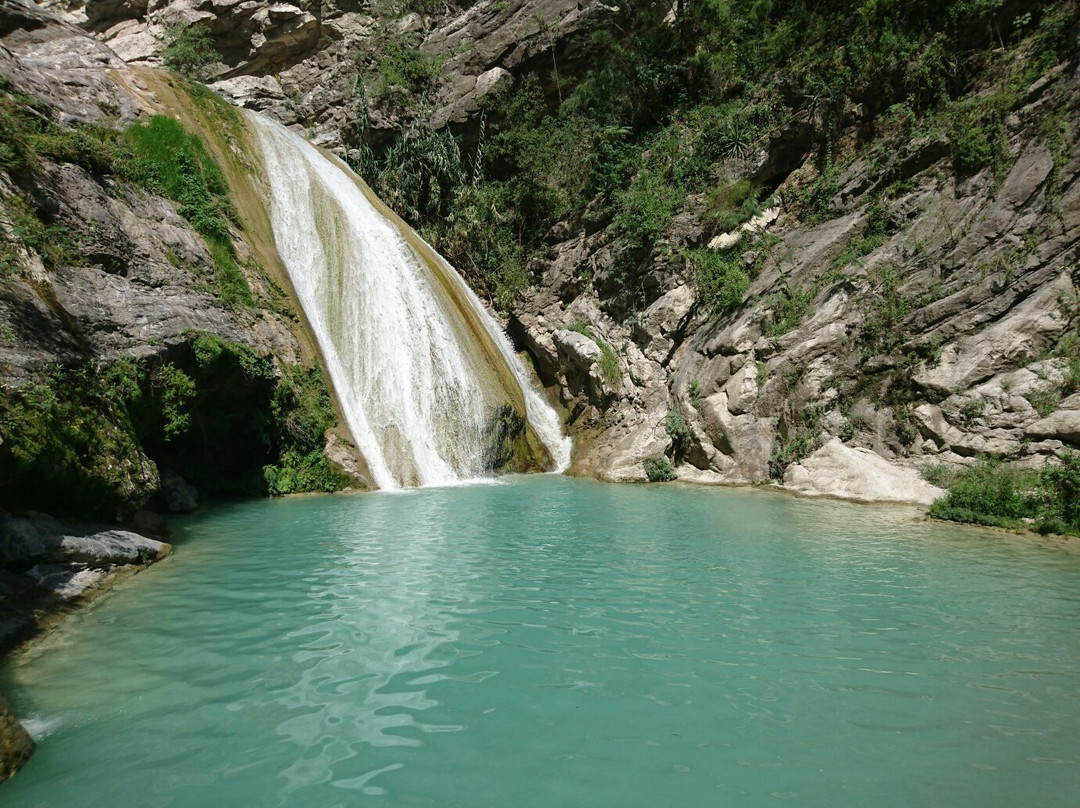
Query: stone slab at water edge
(15, 743)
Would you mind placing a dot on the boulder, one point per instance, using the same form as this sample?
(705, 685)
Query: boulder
(176, 495)
(580, 359)
(1063, 425)
(15, 742)
(742, 389)
(840, 471)
(660, 324)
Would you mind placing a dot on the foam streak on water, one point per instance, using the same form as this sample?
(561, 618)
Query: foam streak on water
(417, 391)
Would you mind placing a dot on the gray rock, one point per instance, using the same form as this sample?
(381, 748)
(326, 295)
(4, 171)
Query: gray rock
(67, 583)
(42, 538)
(661, 323)
(859, 474)
(1063, 425)
(742, 390)
(580, 359)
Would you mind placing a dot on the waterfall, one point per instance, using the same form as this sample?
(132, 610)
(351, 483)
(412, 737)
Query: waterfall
(423, 372)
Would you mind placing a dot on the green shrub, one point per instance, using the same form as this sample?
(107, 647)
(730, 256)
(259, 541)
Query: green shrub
(609, 360)
(1061, 484)
(978, 135)
(791, 450)
(987, 493)
(67, 446)
(676, 427)
(789, 308)
(189, 50)
(1044, 399)
(173, 389)
(721, 277)
(421, 173)
(404, 67)
(298, 473)
(659, 469)
(609, 363)
(646, 208)
(731, 204)
(881, 330)
(56, 244)
(939, 474)
(990, 493)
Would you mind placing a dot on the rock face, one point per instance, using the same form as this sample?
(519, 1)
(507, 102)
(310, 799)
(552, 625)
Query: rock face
(307, 62)
(928, 347)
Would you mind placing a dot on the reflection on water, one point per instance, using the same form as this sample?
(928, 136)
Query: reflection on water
(560, 642)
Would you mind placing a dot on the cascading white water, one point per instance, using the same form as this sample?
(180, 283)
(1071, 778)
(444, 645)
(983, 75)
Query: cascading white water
(416, 386)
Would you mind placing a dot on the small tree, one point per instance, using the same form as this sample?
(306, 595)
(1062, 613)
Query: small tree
(189, 50)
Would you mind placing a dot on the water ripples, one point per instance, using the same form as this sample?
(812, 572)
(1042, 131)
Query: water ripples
(552, 641)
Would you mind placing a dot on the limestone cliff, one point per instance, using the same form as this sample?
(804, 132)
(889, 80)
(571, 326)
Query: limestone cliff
(927, 316)
(922, 310)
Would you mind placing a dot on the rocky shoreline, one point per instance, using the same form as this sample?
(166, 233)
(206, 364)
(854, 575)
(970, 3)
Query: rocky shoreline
(48, 568)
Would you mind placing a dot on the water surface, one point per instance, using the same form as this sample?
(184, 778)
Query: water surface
(550, 642)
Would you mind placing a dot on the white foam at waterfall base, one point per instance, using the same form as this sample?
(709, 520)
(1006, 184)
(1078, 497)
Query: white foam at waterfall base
(415, 393)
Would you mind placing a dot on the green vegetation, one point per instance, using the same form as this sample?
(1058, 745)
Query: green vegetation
(1044, 399)
(668, 111)
(659, 469)
(173, 162)
(158, 156)
(81, 439)
(789, 451)
(991, 493)
(881, 332)
(402, 68)
(68, 446)
(676, 427)
(695, 394)
(189, 50)
(800, 438)
(789, 308)
(721, 277)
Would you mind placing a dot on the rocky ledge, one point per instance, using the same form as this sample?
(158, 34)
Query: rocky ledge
(48, 567)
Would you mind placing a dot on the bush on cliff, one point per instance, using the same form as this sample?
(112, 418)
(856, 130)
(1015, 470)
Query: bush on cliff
(189, 50)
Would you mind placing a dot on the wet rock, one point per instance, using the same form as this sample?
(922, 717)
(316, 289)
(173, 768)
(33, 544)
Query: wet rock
(176, 495)
(67, 583)
(42, 538)
(16, 746)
